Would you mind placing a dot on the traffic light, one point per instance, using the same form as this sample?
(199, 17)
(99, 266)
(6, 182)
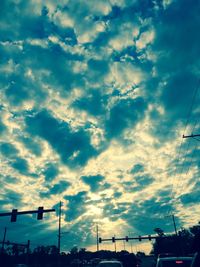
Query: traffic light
(40, 213)
(113, 239)
(139, 237)
(14, 215)
(100, 239)
(149, 237)
(126, 238)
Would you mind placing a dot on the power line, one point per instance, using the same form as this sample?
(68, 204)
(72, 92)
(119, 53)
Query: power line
(59, 226)
(187, 122)
(180, 185)
(191, 107)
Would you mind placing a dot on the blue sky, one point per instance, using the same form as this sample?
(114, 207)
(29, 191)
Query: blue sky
(95, 97)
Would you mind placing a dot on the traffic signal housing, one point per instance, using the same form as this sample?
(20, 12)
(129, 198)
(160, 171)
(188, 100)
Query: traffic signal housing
(14, 215)
(126, 238)
(139, 237)
(40, 213)
(149, 237)
(113, 239)
(100, 239)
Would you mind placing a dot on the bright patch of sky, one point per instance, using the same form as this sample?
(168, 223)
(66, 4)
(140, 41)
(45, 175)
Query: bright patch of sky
(94, 102)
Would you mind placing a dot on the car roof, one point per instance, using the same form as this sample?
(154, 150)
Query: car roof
(111, 261)
(175, 258)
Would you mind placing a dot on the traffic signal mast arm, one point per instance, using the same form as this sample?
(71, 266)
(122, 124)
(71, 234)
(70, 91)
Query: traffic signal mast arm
(25, 212)
(15, 213)
(113, 239)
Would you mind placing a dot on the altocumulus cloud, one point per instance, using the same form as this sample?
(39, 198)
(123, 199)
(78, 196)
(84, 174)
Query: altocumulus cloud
(94, 96)
(74, 148)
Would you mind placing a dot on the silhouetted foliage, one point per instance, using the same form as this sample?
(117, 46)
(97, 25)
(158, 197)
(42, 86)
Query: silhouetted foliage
(159, 231)
(182, 244)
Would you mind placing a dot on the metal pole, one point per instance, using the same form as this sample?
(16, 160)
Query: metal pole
(97, 231)
(59, 227)
(3, 242)
(27, 251)
(115, 245)
(175, 230)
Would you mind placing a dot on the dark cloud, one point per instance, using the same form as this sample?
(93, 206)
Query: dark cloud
(138, 182)
(114, 211)
(146, 216)
(106, 186)
(32, 145)
(117, 194)
(98, 68)
(176, 65)
(50, 172)
(171, 36)
(137, 168)
(126, 113)
(74, 148)
(144, 180)
(175, 101)
(10, 179)
(94, 103)
(93, 181)
(59, 188)
(132, 55)
(17, 91)
(11, 197)
(56, 189)
(21, 165)
(51, 65)
(30, 25)
(2, 127)
(18, 87)
(129, 186)
(191, 198)
(8, 150)
(76, 206)
(59, 74)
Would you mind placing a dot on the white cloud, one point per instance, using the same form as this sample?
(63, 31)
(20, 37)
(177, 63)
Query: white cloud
(145, 39)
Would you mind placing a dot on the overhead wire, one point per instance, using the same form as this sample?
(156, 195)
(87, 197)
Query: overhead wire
(189, 165)
(191, 139)
(173, 190)
(191, 106)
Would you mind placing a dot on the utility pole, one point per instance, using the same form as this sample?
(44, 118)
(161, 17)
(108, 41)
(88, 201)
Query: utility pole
(115, 246)
(175, 230)
(131, 243)
(59, 227)
(27, 251)
(174, 223)
(97, 231)
(3, 242)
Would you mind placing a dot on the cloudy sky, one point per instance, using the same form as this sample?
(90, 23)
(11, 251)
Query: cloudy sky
(95, 97)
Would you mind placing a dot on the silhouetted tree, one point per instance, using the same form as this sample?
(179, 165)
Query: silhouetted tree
(159, 231)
